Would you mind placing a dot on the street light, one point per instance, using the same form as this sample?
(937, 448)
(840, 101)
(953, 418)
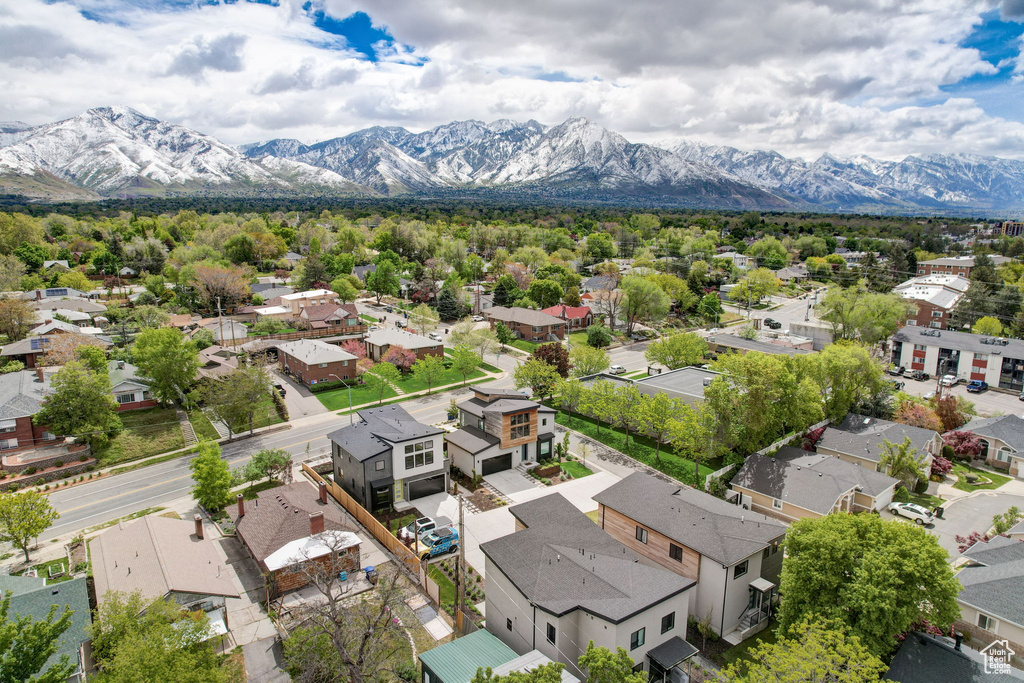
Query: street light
(349, 387)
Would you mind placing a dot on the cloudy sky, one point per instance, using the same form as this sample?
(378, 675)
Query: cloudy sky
(880, 77)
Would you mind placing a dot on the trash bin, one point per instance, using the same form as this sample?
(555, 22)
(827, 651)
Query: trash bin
(938, 512)
(342, 576)
(371, 574)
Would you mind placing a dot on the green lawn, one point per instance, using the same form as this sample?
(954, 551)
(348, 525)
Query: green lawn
(524, 345)
(201, 425)
(369, 318)
(266, 415)
(338, 398)
(636, 375)
(44, 570)
(924, 500)
(641, 448)
(739, 652)
(483, 366)
(444, 583)
(594, 516)
(146, 432)
(410, 383)
(576, 469)
(961, 483)
(578, 338)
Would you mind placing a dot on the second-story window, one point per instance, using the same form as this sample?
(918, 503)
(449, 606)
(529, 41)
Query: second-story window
(520, 426)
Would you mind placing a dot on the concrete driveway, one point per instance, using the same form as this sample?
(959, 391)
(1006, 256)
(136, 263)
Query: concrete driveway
(971, 513)
(301, 402)
(510, 482)
(486, 526)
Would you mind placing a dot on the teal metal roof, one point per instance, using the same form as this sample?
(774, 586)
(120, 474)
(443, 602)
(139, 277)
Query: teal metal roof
(458, 661)
(36, 603)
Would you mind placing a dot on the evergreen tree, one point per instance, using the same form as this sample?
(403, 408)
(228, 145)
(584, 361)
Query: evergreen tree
(447, 305)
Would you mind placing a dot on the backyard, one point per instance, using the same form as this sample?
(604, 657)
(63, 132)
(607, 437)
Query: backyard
(146, 432)
(640, 447)
(338, 399)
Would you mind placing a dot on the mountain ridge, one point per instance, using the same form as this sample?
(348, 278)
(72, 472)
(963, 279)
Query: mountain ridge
(119, 152)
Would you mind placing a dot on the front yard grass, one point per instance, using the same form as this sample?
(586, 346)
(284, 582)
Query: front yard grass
(739, 652)
(361, 393)
(146, 432)
(43, 570)
(201, 425)
(640, 448)
(524, 345)
(447, 588)
(578, 339)
(368, 318)
(961, 470)
(576, 469)
(410, 383)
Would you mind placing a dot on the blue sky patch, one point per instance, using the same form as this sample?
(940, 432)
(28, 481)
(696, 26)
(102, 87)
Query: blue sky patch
(357, 32)
(999, 43)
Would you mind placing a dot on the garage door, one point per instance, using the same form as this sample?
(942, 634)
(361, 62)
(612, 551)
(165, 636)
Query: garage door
(496, 464)
(426, 487)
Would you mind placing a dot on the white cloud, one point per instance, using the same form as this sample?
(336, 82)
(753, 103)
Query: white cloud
(802, 76)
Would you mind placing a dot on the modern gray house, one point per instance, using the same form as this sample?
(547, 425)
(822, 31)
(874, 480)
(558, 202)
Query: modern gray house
(387, 457)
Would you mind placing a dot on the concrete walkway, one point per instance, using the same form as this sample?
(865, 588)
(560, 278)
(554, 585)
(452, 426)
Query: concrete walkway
(264, 661)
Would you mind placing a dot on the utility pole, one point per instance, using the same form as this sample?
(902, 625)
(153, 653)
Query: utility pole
(220, 321)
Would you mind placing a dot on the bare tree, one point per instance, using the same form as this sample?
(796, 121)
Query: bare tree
(337, 642)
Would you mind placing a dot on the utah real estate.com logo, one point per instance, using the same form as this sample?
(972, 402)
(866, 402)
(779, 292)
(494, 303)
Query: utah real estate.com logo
(997, 657)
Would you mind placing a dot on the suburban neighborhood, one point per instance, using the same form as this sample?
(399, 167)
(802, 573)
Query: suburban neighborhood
(668, 453)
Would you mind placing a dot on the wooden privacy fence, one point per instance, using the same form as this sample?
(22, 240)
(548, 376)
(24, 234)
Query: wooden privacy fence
(378, 530)
(333, 331)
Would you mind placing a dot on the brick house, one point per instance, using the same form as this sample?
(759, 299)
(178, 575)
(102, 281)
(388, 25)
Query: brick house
(955, 265)
(21, 396)
(131, 391)
(578, 317)
(286, 527)
(498, 430)
(312, 361)
(525, 323)
(935, 297)
(322, 316)
(379, 341)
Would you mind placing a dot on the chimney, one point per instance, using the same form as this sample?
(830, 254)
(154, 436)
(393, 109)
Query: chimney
(316, 523)
(241, 505)
(39, 374)
(47, 321)
(199, 525)
(323, 492)
(959, 640)
(39, 295)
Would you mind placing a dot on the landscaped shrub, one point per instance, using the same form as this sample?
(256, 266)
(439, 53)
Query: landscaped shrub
(921, 486)
(83, 457)
(59, 463)
(28, 471)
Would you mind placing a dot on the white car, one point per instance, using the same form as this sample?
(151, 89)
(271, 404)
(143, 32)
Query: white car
(421, 526)
(616, 369)
(912, 511)
(949, 380)
(478, 318)
(436, 336)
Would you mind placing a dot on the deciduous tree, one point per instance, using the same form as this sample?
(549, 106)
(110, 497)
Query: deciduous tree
(28, 642)
(429, 370)
(344, 289)
(23, 516)
(464, 361)
(917, 415)
(424, 319)
(380, 378)
(677, 350)
(540, 376)
(504, 335)
(902, 461)
(16, 318)
(586, 360)
(400, 357)
(168, 359)
(80, 404)
(212, 477)
(555, 355)
(644, 302)
(655, 415)
(383, 281)
(269, 463)
(876, 577)
(964, 444)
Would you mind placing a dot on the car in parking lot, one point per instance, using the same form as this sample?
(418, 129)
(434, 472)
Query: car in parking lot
(949, 380)
(896, 372)
(616, 369)
(912, 511)
(897, 386)
(920, 375)
(976, 386)
(772, 323)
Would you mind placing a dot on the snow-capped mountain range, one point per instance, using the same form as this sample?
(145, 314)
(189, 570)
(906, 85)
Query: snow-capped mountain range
(118, 152)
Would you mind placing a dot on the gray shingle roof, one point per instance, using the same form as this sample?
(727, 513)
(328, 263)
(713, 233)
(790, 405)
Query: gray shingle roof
(471, 439)
(502, 406)
(407, 340)
(314, 351)
(992, 582)
(1007, 428)
(563, 561)
(377, 429)
(281, 515)
(926, 658)
(33, 598)
(121, 371)
(808, 480)
(733, 341)
(714, 528)
(863, 437)
(21, 393)
(525, 316)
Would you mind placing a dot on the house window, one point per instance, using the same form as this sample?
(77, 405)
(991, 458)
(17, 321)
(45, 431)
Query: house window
(8, 443)
(764, 555)
(636, 638)
(668, 622)
(776, 503)
(125, 398)
(545, 447)
(740, 569)
(936, 314)
(937, 323)
(322, 365)
(920, 347)
(978, 369)
(9, 427)
(676, 553)
(641, 534)
(551, 633)
(986, 622)
(1003, 454)
(409, 462)
(379, 465)
(419, 447)
(508, 624)
(408, 449)
(775, 548)
(544, 422)
(981, 356)
(49, 436)
(428, 458)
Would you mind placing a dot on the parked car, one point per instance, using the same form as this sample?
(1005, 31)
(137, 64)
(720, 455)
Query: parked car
(478, 318)
(949, 380)
(436, 336)
(439, 542)
(912, 511)
(920, 375)
(896, 372)
(616, 369)
(401, 323)
(976, 386)
(930, 395)
(373, 328)
(279, 389)
(897, 386)
(416, 528)
(772, 323)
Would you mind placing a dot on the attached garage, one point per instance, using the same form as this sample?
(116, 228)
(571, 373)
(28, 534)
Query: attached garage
(426, 487)
(498, 463)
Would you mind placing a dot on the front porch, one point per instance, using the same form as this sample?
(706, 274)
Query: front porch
(757, 614)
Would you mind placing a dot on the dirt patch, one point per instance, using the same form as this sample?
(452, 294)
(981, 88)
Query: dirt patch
(713, 649)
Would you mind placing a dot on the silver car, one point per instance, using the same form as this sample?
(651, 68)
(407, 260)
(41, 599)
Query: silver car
(912, 511)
